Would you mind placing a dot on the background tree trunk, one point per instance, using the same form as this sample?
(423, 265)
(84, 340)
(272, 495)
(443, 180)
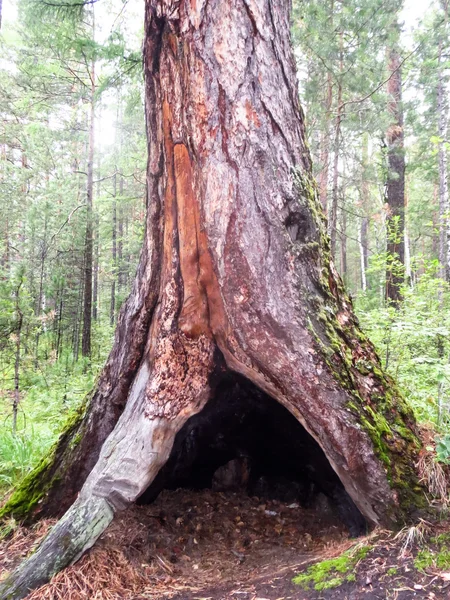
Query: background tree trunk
(333, 212)
(89, 240)
(112, 306)
(235, 274)
(364, 227)
(444, 204)
(343, 242)
(325, 148)
(18, 348)
(395, 187)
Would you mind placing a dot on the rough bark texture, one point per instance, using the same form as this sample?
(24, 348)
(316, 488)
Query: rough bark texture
(89, 237)
(395, 185)
(325, 147)
(363, 237)
(444, 204)
(235, 271)
(333, 211)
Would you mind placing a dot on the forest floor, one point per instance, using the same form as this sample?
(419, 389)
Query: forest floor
(209, 545)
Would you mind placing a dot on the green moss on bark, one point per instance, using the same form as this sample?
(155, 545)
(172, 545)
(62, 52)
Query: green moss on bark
(374, 398)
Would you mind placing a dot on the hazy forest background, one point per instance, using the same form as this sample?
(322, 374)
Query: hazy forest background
(374, 85)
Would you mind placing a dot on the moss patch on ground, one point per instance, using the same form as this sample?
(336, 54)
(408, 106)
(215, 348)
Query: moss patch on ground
(436, 555)
(332, 573)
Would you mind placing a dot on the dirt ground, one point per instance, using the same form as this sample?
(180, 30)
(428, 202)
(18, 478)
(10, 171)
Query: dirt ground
(209, 545)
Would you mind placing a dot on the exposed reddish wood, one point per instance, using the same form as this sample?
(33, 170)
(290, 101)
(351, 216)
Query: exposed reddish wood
(193, 320)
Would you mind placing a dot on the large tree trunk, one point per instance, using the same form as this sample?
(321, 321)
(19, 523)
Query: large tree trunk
(235, 274)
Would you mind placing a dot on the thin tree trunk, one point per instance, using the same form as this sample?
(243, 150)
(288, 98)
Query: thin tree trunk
(24, 174)
(234, 276)
(89, 239)
(363, 237)
(18, 336)
(112, 312)
(129, 257)
(325, 138)
(343, 243)
(58, 318)
(78, 321)
(444, 205)
(395, 188)
(336, 148)
(38, 308)
(325, 147)
(6, 252)
(120, 255)
(436, 224)
(95, 292)
(4, 261)
(408, 278)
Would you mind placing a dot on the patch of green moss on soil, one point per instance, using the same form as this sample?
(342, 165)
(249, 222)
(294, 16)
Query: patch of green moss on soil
(332, 573)
(436, 555)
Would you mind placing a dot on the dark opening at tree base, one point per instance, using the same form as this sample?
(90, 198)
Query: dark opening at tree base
(245, 441)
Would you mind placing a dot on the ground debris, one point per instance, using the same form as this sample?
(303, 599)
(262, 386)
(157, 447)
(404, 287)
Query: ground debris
(209, 545)
(186, 542)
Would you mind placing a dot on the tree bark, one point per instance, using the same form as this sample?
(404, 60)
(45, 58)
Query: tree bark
(363, 237)
(444, 204)
(343, 243)
(89, 238)
(18, 335)
(336, 149)
(95, 292)
(235, 274)
(395, 185)
(325, 137)
(325, 148)
(121, 276)
(112, 306)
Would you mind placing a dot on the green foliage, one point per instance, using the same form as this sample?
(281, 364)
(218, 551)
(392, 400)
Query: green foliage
(332, 573)
(18, 455)
(45, 95)
(443, 449)
(413, 341)
(50, 395)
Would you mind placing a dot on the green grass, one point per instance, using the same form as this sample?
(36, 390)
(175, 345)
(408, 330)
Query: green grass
(18, 455)
(49, 395)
